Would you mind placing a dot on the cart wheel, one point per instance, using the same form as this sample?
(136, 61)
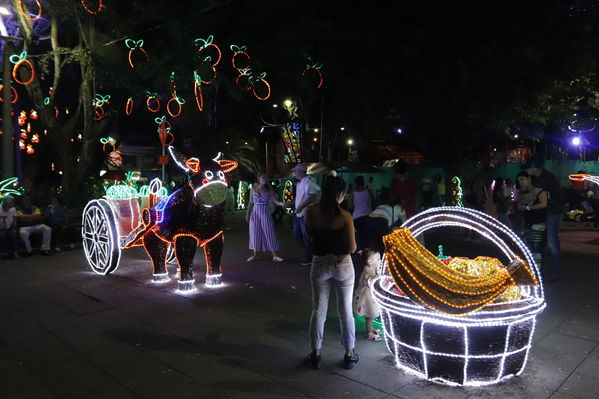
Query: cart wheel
(100, 237)
(170, 255)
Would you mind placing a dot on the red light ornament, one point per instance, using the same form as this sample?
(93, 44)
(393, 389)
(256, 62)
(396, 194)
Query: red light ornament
(133, 45)
(14, 94)
(197, 91)
(89, 10)
(129, 106)
(265, 85)
(316, 67)
(21, 60)
(205, 44)
(152, 103)
(240, 56)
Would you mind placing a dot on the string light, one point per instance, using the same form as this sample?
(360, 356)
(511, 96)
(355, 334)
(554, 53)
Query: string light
(456, 192)
(14, 94)
(245, 74)
(240, 52)
(133, 45)
(197, 91)
(179, 102)
(152, 97)
(204, 44)
(488, 345)
(26, 14)
(259, 79)
(6, 184)
(129, 106)
(21, 60)
(89, 10)
(314, 66)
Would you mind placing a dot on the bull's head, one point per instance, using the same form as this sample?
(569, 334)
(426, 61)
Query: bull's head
(206, 176)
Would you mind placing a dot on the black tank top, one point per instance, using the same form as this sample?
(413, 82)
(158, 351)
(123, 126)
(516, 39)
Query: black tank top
(535, 216)
(329, 242)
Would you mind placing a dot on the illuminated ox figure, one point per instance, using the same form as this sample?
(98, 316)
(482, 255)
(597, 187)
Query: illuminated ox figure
(189, 217)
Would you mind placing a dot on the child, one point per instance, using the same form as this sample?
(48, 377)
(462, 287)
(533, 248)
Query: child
(364, 304)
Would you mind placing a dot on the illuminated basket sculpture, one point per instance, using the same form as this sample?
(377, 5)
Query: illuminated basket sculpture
(481, 347)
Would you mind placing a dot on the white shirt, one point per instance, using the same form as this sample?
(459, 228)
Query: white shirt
(307, 186)
(391, 215)
(361, 204)
(7, 217)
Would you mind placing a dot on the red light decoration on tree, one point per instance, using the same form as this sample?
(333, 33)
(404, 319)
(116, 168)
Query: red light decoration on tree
(197, 91)
(21, 60)
(314, 66)
(240, 55)
(14, 94)
(133, 45)
(89, 10)
(129, 106)
(153, 103)
(259, 79)
(204, 44)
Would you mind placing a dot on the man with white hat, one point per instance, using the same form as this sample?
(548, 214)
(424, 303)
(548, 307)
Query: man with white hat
(307, 193)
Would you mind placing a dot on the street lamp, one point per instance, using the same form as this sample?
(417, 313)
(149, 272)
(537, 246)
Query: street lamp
(287, 103)
(275, 105)
(342, 128)
(350, 142)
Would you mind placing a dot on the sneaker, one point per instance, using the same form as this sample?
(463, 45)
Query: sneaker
(306, 263)
(46, 253)
(57, 249)
(277, 259)
(313, 361)
(350, 361)
(251, 258)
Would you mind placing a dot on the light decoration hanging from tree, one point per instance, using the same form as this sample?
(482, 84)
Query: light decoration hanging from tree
(164, 131)
(9, 187)
(98, 103)
(480, 348)
(129, 106)
(204, 45)
(456, 192)
(240, 53)
(26, 13)
(197, 91)
(20, 60)
(14, 93)
(316, 67)
(174, 99)
(291, 140)
(133, 46)
(26, 132)
(244, 79)
(257, 80)
(152, 101)
(89, 10)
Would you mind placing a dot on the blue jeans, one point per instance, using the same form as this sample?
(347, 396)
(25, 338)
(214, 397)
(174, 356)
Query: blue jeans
(552, 247)
(299, 232)
(335, 272)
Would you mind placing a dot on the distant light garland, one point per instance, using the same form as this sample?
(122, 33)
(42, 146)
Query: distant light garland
(19, 61)
(133, 45)
(26, 14)
(100, 6)
(129, 106)
(14, 94)
(314, 66)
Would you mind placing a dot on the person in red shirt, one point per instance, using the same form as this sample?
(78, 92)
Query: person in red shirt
(406, 188)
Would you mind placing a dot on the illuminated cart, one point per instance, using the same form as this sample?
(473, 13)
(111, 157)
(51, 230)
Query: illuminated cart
(108, 221)
(478, 348)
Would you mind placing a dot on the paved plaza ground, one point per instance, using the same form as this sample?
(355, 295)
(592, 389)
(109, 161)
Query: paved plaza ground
(66, 332)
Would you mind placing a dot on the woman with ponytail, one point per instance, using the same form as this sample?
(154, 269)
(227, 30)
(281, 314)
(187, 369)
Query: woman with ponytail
(332, 231)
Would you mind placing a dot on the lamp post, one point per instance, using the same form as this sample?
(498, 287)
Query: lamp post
(8, 147)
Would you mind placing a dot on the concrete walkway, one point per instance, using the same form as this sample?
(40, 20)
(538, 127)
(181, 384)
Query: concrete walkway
(66, 332)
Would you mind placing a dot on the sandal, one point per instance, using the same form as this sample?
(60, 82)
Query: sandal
(376, 337)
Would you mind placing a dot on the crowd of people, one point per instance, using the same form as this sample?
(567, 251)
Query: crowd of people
(19, 223)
